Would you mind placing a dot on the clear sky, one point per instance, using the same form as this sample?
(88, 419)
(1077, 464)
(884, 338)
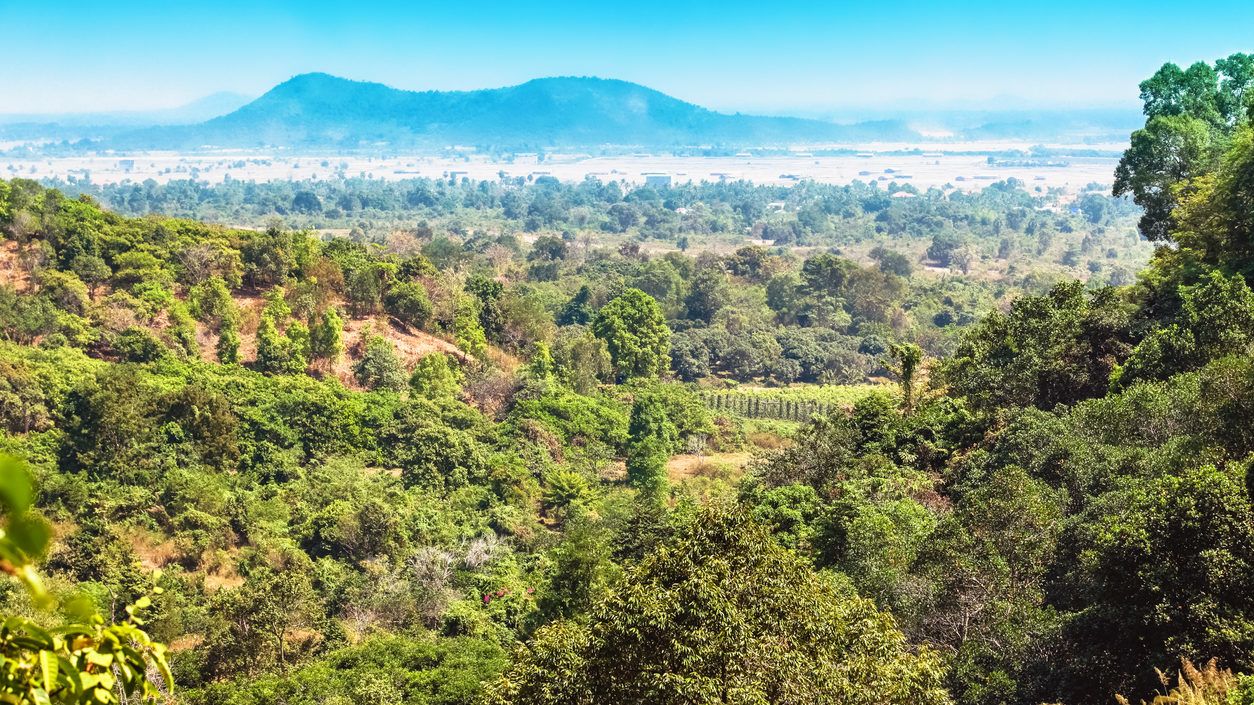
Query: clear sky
(729, 55)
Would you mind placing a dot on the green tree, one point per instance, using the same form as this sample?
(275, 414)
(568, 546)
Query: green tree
(1054, 349)
(1157, 572)
(380, 367)
(1190, 114)
(326, 337)
(907, 358)
(228, 343)
(724, 615)
(436, 376)
(408, 303)
(276, 353)
(468, 330)
(1216, 319)
(634, 330)
(708, 293)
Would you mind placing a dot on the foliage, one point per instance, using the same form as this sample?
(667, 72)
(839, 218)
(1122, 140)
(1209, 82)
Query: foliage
(635, 334)
(770, 631)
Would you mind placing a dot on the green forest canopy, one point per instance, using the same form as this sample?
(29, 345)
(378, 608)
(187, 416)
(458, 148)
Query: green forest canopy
(442, 473)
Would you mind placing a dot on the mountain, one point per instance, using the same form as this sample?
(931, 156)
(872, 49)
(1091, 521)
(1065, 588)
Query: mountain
(206, 108)
(198, 110)
(103, 126)
(319, 110)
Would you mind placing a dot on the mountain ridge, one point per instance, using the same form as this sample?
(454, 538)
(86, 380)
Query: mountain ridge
(322, 110)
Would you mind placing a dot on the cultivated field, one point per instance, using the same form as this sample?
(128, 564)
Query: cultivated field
(963, 166)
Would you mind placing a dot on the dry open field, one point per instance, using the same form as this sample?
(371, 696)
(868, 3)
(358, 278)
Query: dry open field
(957, 165)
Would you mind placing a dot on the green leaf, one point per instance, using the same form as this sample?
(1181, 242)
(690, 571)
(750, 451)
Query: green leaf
(38, 636)
(48, 667)
(30, 533)
(71, 675)
(15, 487)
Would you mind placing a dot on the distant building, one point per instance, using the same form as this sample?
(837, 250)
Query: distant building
(126, 164)
(657, 180)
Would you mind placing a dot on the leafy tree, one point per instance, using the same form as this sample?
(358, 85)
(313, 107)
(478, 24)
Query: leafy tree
(326, 336)
(583, 361)
(635, 333)
(379, 366)
(651, 440)
(227, 347)
(488, 293)
(408, 303)
(256, 621)
(436, 376)
(1150, 574)
(210, 302)
(276, 352)
(1058, 348)
(1189, 114)
(724, 615)
(907, 357)
(708, 293)
(468, 330)
(1216, 319)
(579, 310)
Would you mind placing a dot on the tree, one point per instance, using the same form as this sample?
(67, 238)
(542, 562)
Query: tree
(468, 330)
(91, 269)
(276, 353)
(326, 336)
(1216, 319)
(436, 376)
(227, 347)
(408, 303)
(487, 293)
(651, 438)
(210, 301)
(907, 357)
(892, 262)
(541, 366)
(255, 622)
(723, 614)
(1151, 572)
(634, 330)
(583, 360)
(1054, 349)
(380, 367)
(1189, 116)
(708, 293)
(579, 310)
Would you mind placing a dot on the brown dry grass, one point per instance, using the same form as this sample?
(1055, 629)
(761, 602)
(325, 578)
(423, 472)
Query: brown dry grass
(728, 465)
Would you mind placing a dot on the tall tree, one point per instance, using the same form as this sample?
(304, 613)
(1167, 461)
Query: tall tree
(634, 330)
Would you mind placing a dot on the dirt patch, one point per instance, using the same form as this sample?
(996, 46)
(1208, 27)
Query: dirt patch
(411, 344)
(12, 273)
(154, 552)
(730, 465)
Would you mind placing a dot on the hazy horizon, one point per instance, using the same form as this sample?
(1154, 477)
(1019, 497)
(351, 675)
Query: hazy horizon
(72, 57)
(867, 110)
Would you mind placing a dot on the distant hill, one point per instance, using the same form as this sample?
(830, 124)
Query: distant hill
(319, 110)
(106, 125)
(198, 110)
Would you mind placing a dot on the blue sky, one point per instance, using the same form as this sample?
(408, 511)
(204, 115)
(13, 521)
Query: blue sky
(730, 55)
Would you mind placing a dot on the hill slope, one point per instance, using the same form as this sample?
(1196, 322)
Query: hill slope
(318, 110)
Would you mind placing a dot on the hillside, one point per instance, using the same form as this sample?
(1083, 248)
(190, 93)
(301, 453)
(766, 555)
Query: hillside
(319, 110)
